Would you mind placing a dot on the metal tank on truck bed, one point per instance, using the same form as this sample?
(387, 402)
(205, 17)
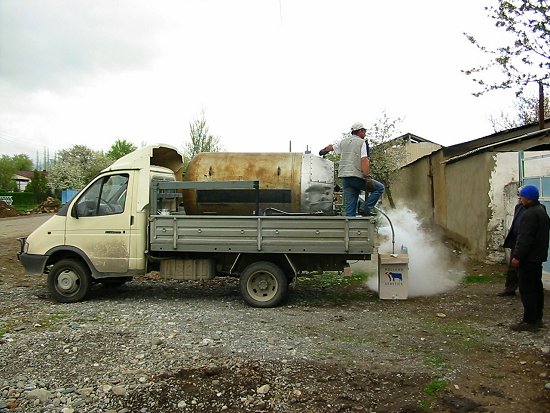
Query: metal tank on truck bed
(289, 182)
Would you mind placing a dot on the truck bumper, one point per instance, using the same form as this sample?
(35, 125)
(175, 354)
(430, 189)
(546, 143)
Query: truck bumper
(33, 264)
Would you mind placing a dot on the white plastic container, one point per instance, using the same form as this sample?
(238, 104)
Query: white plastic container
(393, 276)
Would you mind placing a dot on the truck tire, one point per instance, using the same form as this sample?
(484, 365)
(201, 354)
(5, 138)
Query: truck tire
(69, 281)
(263, 284)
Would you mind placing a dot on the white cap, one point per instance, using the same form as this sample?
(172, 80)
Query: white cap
(357, 126)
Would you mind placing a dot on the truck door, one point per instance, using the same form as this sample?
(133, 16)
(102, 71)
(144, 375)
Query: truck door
(99, 222)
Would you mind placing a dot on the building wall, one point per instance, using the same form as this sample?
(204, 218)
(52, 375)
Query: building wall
(472, 200)
(503, 182)
(473, 197)
(468, 188)
(419, 149)
(439, 189)
(536, 165)
(413, 188)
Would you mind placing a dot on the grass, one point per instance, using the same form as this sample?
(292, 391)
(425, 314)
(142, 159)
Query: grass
(52, 319)
(4, 329)
(332, 279)
(458, 334)
(437, 360)
(22, 209)
(482, 279)
(431, 389)
(424, 405)
(434, 386)
(335, 288)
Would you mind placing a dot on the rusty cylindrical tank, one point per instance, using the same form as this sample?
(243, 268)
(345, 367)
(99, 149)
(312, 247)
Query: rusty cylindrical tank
(291, 182)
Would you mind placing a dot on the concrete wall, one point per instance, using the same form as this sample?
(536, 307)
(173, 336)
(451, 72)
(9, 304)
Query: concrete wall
(471, 198)
(535, 165)
(440, 190)
(417, 150)
(413, 188)
(503, 182)
(468, 187)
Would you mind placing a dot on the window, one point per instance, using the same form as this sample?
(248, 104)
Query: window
(106, 196)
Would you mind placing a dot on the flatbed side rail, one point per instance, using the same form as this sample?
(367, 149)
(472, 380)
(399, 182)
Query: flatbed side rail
(263, 234)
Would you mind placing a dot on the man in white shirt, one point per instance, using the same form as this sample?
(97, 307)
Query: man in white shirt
(354, 170)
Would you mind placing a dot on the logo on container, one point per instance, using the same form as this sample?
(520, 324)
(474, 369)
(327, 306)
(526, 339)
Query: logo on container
(394, 276)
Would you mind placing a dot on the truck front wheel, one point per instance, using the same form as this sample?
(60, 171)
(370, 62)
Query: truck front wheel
(263, 284)
(69, 281)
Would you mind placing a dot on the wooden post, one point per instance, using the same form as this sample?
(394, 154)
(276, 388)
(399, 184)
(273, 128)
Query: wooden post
(541, 106)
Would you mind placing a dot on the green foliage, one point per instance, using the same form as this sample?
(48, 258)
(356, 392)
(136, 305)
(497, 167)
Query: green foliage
(19, 198)
(525, 55)
(387, 154)
(22, 162)
(437, 360)
(9, 165)
(75, 167)
(201, 140)
(331, 279)
(66, 175)
(4, 329)
(7, 170)
(481, 279)
(38, 186)
(434, 386)
(120, 148)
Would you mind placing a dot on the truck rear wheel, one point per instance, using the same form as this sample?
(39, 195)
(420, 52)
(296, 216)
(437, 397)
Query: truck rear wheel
(69, 281)
(263, 284)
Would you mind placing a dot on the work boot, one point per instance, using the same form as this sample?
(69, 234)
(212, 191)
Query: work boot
(367, 213)
(523, 326)
(506, 293)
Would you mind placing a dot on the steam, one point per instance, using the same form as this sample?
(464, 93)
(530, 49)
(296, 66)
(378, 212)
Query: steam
(430, 268)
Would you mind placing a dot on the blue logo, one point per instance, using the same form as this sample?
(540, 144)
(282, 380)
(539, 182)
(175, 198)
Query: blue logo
(392, 276)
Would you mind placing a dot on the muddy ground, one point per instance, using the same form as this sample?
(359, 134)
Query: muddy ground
(348, 351)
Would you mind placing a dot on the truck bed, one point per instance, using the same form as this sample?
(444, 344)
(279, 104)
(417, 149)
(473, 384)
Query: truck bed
(262, 234)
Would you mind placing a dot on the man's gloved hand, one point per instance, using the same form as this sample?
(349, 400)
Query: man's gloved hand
(370, 183)
(323, 152)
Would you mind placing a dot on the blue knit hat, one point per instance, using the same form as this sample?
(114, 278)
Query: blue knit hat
(530, 192)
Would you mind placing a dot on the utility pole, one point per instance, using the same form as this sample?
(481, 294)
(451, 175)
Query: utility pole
(541, 106)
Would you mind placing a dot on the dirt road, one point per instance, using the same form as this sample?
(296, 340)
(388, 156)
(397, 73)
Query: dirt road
(22, 225)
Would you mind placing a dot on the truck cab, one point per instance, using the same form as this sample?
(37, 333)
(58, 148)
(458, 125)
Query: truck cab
(101, 234)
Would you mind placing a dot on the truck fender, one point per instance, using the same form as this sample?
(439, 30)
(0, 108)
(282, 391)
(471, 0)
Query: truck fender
(67, 251)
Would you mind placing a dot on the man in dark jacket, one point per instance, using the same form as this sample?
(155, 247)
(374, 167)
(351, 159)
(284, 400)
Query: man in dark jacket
(530, 251)
(511, 283)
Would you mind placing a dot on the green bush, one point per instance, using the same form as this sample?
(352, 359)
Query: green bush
(20, 198)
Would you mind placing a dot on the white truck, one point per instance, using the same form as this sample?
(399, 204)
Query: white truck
(264, 218)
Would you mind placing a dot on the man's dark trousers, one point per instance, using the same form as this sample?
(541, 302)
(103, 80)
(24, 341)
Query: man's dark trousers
(531, 291)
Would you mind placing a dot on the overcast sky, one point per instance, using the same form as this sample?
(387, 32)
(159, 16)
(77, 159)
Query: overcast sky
(265, 72)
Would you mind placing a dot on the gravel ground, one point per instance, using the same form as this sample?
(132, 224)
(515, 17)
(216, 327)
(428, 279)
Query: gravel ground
(156, 346)
(159, 346)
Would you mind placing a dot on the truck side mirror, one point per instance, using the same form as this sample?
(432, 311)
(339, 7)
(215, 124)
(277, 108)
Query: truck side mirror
(74, 211)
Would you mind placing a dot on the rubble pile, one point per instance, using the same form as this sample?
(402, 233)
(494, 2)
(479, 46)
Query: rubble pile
(7, 210)
(50, 205)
